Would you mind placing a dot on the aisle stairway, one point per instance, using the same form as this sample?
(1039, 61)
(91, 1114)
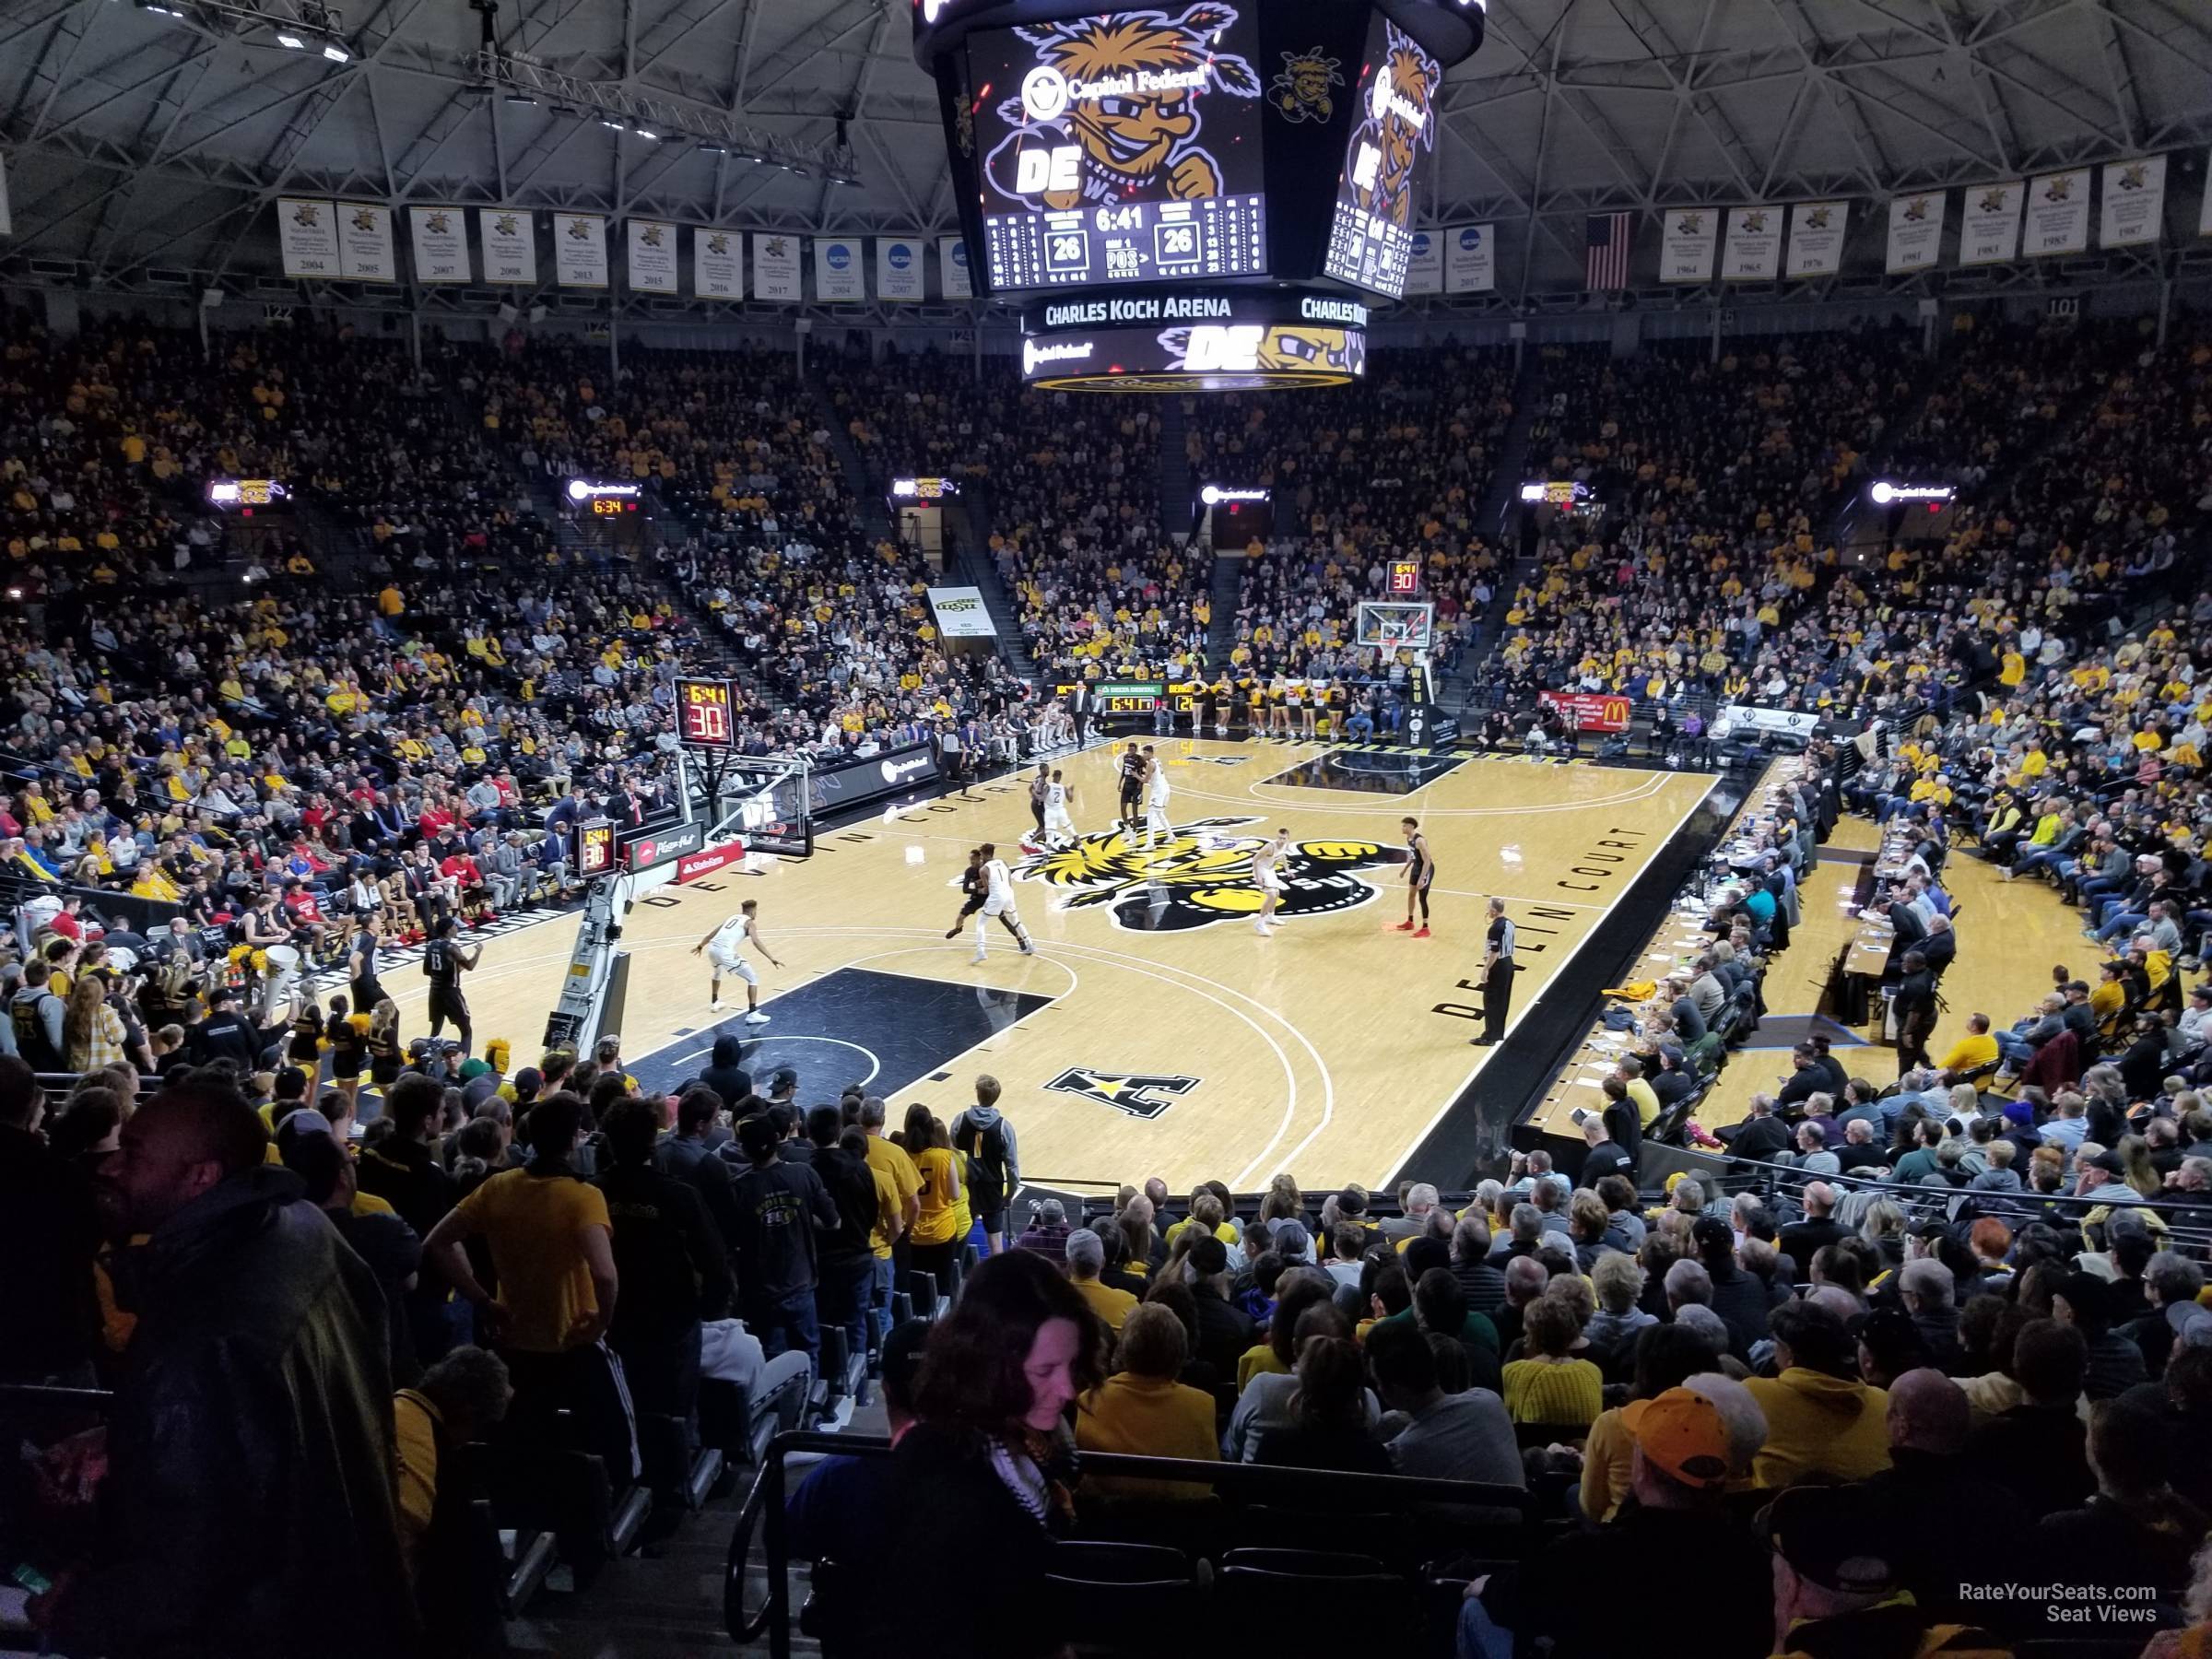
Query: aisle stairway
(867, 489)
(1221, 637)
(1498, 519)
(973, 519)
(1174, 467)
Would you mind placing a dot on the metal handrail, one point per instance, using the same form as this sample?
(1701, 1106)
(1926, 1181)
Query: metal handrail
(1380, 1493)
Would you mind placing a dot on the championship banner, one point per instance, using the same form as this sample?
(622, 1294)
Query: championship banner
(952, 268)
(1592, 710)
(961, 613)
(1989, 229)
(1470, 259)
(308, 234)
(717, 264)
(1791, 723)
(594, 846)
(2133, 210)
(837, 268)
(707, 860)
(658, 846)
(1915, 233)
(365, 252)
(651, 257)
(440, 244)
(1689, 239)
(2058, 215)
(1425, 264)
(580, 250)
(898, 267)
(510, 239)
(1816, 237)
(1753, 250)
(776, 267)
(703, 714)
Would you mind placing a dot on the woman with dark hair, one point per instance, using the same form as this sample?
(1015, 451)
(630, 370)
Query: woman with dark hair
(1329, 1427)
(984, 1475)
(934, 1245)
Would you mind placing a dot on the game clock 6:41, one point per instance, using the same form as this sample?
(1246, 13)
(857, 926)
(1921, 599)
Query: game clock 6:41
(1120, 147)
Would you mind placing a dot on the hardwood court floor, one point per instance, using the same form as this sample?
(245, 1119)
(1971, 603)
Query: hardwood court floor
(1154, 1032)
(2011, 935)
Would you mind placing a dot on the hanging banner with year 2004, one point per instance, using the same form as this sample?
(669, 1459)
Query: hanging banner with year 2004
(307, 232)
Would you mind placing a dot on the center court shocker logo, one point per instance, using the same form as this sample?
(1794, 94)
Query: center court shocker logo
(1201, 873)
(1138, 1095)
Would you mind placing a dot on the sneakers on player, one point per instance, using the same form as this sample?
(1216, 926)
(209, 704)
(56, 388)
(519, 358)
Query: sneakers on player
(1404, 927)
(1027, 948)
(756, 1018)
(1422, 934)
(952, 933)
(980, 955)
(717, 1005)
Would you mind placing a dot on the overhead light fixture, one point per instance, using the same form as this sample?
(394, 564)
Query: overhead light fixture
(616, 126)
(335, 52)
(709, 148)
(521, 97)
(647, 134)
(161, 11)
(285, 38)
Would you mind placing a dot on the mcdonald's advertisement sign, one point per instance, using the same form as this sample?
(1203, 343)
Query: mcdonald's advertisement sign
(1592, 710)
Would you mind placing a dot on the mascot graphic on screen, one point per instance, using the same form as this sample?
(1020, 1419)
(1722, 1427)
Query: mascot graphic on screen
(1110, 109)
(1397, 122)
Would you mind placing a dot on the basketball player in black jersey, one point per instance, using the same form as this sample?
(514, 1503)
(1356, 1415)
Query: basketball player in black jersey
(1420, 870)
(971, 879)
(1133, 786)
(444, 962)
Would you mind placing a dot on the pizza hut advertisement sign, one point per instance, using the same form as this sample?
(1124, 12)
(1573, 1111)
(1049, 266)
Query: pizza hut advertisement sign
(708, 860)
(643, 852)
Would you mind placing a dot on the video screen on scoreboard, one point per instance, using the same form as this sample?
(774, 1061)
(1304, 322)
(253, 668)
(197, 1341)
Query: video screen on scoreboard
(1121, 148)
(1370, 238)
(1208, 357)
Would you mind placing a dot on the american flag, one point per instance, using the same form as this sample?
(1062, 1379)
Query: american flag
(1608, 265)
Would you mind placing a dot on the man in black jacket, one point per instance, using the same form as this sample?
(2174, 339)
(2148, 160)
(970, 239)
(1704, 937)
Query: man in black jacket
(783, 1214)
(1224, 1330)
(685, 1156)
(1759, 1136)
(865, 1202)
(49, 1235)
(252, 1425)
(670, 1260)
(1601, 1157)
(1738, 1298)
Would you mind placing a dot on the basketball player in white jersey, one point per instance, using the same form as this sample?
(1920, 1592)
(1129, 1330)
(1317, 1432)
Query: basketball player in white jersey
(1155, 798)
(1058, 796)
(998, 904)
(725, 947)
(1266, 870)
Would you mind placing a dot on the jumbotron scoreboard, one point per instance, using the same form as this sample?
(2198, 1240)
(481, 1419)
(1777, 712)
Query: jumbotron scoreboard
(1205, 194)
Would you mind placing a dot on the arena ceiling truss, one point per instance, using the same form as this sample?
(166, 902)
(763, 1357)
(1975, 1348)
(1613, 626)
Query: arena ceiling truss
(153, 135)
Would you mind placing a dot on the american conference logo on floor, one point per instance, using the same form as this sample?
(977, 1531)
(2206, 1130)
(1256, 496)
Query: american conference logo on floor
(1140, 1094)
(1201, 873)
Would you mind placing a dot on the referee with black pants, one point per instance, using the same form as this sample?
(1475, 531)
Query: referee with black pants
(1498, 971)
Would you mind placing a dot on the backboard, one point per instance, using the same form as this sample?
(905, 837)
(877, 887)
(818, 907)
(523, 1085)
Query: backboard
(1391, 626)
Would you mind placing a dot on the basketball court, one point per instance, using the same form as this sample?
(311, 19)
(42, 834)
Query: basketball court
(1154, 1032)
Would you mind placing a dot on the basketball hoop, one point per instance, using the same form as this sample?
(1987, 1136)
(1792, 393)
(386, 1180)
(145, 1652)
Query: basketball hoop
(1391, 627)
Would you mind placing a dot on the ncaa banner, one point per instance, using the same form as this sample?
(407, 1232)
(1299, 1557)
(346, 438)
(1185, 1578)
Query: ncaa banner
(1816, 237)
(1425, 264)
(1688, 240)
(2134, 208)
(1989, 229)
(365, 243)
(651, 257)
(776, 267)
(717, 264)
(1470, 259)
(2058, 215)
(1753, 250)
(440, 244)
(961, 613)
(307, 232)
(837, 268)
(952, 268)
(510, 239)
(898, 267)
(580, 250)
(1915, 233)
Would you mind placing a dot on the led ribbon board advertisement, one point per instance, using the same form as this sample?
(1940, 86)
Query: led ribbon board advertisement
(603, 501)
(1223, 342)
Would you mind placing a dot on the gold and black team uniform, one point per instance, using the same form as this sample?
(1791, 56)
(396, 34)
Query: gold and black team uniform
(348, 1047)
(384, 1056)
(304, 1048)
